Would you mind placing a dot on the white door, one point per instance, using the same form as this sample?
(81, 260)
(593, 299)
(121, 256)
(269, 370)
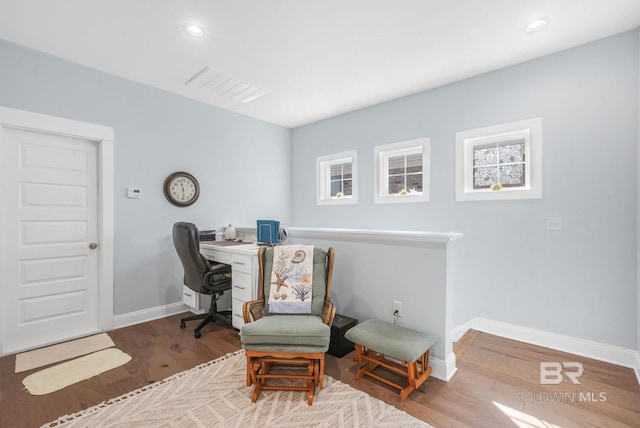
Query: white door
(49, 238)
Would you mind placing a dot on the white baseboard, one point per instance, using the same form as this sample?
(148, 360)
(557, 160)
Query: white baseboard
(598, 351)
(459, 331)
(150, 314)
(443, 370)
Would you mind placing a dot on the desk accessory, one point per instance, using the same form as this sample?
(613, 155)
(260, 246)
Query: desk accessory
(230, 233)
(268, 231)
(207, 235)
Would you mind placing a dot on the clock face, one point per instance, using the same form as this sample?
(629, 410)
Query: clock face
(181, 189)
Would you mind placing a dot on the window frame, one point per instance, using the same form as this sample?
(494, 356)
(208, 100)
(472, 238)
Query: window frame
(381, 156)
(530, 130)
(323, 178)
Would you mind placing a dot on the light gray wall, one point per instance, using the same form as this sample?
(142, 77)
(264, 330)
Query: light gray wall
(233, 157)
(638, 208)
(580, 281)
(364, 293)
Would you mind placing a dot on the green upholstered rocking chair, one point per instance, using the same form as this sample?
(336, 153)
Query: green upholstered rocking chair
(288, 346)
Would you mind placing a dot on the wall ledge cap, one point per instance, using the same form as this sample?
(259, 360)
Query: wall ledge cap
(375, 235)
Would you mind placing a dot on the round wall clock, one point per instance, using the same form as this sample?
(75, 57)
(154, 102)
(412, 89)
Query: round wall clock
(181, 189)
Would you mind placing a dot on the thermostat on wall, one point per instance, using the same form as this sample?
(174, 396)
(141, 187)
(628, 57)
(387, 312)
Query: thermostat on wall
(133, 193)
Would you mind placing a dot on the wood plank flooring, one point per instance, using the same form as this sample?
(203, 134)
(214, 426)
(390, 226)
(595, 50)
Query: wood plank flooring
(497, 383)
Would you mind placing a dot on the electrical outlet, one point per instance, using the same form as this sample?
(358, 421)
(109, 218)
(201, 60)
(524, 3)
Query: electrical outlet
(397, 308)
(553, 223)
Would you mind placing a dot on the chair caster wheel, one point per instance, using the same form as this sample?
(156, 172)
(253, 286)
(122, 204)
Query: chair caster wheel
(197, 335)
(182, 325)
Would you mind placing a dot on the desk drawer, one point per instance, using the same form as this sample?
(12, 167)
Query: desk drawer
(237, 320)
(241, 287)
(216, 256)
(241, 263)
(189, 297)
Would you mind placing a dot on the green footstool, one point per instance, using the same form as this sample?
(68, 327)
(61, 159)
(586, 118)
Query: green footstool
(375, 340)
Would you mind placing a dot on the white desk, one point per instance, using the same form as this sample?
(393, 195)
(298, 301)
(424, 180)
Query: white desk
(243, 259)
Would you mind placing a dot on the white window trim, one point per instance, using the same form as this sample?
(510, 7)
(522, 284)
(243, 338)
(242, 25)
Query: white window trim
(531, 130)
(323, 178)
(380, 168)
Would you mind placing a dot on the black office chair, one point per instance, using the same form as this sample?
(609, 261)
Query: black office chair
(200, 274)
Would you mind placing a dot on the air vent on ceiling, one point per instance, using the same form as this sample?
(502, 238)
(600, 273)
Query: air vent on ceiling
(218, 83)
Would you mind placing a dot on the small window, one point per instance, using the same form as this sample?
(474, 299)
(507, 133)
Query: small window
(337, 179)
(500, 162)
(402, 172)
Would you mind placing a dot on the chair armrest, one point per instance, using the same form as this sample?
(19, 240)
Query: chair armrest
(219, 268)
(328, 313)
(215, 286)
(253, 310)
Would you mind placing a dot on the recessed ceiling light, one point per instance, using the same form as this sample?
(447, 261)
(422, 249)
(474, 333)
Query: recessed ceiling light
(537, 25)
(194, 30)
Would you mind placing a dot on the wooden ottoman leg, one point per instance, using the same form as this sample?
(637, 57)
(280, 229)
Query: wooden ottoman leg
(412, 369)
(426, 370)
(359, 352)
(358, 359)
(372, 357)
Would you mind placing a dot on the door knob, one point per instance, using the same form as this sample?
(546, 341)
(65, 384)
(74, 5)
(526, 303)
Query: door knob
(93, 245)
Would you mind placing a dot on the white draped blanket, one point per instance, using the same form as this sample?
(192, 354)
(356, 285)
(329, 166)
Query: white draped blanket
(291, 279)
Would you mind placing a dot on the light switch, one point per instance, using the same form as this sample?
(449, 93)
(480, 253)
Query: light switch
(553, 223)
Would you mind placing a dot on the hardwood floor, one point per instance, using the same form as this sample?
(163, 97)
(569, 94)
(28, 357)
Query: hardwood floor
(497, 383)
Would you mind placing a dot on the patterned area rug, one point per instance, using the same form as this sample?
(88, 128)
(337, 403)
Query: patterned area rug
(215, 394)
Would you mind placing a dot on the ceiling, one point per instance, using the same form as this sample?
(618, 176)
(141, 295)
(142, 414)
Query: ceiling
(310, 59)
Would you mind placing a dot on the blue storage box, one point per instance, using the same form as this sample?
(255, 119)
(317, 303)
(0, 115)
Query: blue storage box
(268, 231)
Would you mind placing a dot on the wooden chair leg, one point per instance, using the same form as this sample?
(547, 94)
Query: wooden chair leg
(253, 368)
(321, 374)
(256, 392)
(249, 382)
(312, 369)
